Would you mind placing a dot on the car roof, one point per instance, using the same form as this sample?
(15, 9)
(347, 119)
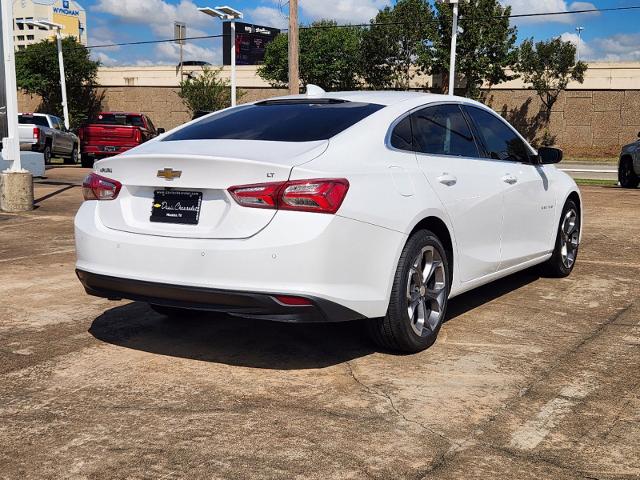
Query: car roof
(384, 97)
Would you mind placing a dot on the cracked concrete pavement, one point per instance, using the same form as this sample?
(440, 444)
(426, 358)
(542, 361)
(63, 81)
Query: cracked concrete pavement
(530, 378)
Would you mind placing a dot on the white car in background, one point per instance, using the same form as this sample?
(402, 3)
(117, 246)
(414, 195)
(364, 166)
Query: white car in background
(328, 207)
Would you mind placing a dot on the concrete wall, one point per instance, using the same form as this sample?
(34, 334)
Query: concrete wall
(591, 123)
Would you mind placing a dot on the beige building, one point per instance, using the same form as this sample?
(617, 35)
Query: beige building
(67, 13)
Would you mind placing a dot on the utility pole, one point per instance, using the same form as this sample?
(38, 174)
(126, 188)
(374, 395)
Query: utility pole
(579, 30)
(294, 49)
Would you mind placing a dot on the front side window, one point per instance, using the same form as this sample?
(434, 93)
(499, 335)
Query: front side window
(501, 141)
(279, 121)
(443, 130)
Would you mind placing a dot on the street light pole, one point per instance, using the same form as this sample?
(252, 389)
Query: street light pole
(454, 40)
(579, 30)
(294, 72)
(231, 15)
(63, 79)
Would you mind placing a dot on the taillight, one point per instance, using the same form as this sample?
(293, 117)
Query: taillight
(138, 136)
(316, 195)
(36, 133)
(97, 187)
(291, 301)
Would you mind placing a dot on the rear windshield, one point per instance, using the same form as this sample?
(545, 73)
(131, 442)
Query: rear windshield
(117, 119)
(279, 121)
(28, 120)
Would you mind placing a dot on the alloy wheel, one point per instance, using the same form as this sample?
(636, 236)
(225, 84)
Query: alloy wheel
(569, 236)
(426, 291)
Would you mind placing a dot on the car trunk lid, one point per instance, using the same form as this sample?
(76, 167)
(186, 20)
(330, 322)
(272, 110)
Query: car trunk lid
(210, 168)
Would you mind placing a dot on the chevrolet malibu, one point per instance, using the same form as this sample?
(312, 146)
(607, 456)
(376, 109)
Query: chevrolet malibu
(327, 207)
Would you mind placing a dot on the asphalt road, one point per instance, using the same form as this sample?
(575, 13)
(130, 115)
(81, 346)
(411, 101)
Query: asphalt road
(531, 378)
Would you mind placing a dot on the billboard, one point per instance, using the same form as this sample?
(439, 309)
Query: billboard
(4, 131)
(251, 42)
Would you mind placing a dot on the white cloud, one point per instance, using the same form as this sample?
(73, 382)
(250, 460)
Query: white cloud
(104, 59)
(159, 15)
(623, 47)
(343, 11)
(169, 53)
(268, 16)
(582, 47)
(520, 7)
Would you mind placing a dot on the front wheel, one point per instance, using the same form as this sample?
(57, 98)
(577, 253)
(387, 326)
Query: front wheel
(565, 252)
(419, 297)
(627, 177)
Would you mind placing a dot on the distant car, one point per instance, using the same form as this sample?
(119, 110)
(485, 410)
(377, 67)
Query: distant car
(629, 165)
(328, 207)
(194, 63)
(112, 133)
(46, 134)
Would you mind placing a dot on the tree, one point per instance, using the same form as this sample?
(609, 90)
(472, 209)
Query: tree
(206, 92)
(328, 55)
(397, 36)
(549, 66)
(37, 73)
(485, 48)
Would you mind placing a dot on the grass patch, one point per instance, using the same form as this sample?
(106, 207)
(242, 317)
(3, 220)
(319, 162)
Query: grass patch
(596, 182)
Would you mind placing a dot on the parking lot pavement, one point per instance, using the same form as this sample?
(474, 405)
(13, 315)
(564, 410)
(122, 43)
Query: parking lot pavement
(531, 377)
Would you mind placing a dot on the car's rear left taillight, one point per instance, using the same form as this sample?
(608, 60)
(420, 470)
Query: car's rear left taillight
(315, 195)
(36, 133)
(97, 187)
(138, 135)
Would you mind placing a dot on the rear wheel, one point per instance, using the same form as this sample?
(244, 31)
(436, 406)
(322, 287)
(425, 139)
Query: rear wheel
(86, 161)
(565, 253)
(73, 158)
(419, 297)
(627, 177)
(47, 153)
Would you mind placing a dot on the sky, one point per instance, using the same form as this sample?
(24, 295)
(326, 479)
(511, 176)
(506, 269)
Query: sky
(608, 36)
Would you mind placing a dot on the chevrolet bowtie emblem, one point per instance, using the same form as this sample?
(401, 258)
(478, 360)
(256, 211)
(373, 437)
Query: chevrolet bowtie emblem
(169, 173)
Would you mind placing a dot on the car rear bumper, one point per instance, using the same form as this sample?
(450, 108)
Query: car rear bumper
(244, 304)
(99, 151)
(321, 257)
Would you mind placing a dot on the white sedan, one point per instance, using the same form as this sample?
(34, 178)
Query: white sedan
(327, 207)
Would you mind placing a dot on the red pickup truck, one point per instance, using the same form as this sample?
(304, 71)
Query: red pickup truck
(111, 133)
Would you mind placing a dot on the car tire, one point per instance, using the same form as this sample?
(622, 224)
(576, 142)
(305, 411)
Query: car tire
(565, 252)
(47, 153)
(627, 177)
(174, 313)
(73, 158)
(86, 161)
(417, 307)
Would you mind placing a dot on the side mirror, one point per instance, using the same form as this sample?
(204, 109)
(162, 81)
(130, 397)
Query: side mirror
(548, 155)
(160, 131)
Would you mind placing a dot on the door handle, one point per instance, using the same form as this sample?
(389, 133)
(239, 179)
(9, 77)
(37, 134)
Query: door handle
(510, 179)
(447, 179)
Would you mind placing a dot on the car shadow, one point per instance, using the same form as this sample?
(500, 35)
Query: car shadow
(219, 338)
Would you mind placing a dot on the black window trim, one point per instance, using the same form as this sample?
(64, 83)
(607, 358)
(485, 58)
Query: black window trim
(484, 149)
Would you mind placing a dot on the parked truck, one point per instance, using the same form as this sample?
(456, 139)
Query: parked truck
(112, 133)
(46, 134)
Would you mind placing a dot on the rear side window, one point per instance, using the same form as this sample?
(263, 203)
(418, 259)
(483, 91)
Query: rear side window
(27, 119)
(279, 121)
(401, 136)
(501, 141)
(443, 130)
(118, 119)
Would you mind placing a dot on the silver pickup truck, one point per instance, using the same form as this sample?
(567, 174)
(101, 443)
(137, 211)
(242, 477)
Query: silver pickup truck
(46, 134)
(629, 165)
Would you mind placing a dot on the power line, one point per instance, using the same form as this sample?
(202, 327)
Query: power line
(382, 24)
